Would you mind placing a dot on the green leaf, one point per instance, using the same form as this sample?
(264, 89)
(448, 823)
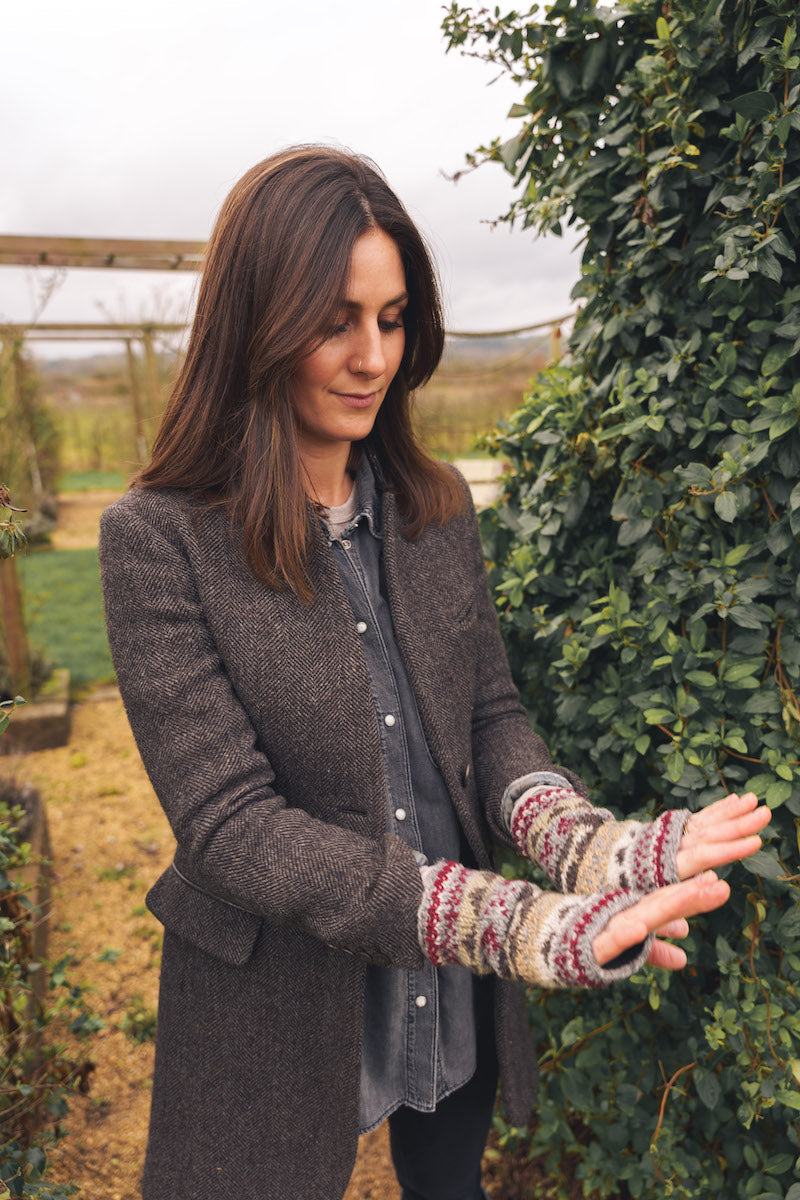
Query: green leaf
(736, 743)
(633, 531)
(657, 716)
(675, 766)
(778, 1164)
(725, 506)
(763, 863)
(791, 1100)
(742, 670)
(708, 1087)
(782, 425)
(702, 679)
(754, 106)
(737, 554)
(775, 358)
(777, 794)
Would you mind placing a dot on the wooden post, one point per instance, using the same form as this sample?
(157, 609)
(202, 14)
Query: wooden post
(152, 385)
(136, 404)
(16, 642)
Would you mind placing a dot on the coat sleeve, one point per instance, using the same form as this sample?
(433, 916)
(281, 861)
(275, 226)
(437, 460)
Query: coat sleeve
(504, 746)
(238, 838)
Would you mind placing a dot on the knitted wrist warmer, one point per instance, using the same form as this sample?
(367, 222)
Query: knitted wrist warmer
(583, 849)
(486, 923)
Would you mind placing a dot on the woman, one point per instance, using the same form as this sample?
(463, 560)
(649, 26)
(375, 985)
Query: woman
(311, 664)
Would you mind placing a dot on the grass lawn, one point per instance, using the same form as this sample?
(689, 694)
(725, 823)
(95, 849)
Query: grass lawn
(90, 481)
(64, 611)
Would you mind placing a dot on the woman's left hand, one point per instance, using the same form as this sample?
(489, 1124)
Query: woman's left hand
(724, 832)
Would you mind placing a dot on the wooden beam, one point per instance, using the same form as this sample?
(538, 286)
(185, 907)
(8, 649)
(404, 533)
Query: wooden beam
(136, 254)
(121, 329)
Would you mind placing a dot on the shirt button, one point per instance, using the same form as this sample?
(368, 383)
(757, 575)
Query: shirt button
(400, 814)
(361, 626)
(421, 1001)
(346, 544)
(389, 720)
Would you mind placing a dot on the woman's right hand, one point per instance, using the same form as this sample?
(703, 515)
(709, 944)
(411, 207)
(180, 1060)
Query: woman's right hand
(664, 913)
(481, 921)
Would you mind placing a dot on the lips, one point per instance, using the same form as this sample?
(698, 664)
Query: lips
(355, 401)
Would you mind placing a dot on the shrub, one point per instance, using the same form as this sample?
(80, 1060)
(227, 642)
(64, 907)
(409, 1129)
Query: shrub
(36, 1074)
(645, 552)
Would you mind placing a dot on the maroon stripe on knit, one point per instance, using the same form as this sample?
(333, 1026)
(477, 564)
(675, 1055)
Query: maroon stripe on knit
(663, 832)
(431, 937)
(578, 972)
(455, 896)
(530, 809)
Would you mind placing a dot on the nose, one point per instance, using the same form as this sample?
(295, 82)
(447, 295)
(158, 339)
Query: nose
(368, 356)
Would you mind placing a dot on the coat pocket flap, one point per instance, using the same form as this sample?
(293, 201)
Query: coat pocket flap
(214, 926)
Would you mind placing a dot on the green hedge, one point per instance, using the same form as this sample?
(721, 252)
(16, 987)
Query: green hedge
(645, 553)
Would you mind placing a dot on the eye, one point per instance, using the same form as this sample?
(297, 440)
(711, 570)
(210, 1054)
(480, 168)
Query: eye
(389, 324)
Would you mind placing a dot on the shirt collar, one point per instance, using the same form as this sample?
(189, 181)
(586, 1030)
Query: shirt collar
(367, 498)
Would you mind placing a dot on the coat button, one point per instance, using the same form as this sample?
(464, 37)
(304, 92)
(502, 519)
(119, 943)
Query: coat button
(361, 626)
(389, 720)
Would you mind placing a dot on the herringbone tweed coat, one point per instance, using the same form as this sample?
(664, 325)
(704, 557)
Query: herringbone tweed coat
(254, 718)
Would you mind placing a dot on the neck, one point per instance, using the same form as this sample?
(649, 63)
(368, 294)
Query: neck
(326, 476)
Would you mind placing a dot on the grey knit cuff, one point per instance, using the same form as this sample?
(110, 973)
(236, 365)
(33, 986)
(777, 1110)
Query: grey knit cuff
(515, 789)
(581, 968)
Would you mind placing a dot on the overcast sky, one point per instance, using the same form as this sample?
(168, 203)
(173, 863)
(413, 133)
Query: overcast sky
(135, 119)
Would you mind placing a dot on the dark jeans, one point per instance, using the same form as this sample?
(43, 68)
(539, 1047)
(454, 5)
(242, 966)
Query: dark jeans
(437, 1156)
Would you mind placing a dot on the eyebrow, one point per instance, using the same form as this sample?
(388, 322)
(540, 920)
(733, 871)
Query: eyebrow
(353, 304)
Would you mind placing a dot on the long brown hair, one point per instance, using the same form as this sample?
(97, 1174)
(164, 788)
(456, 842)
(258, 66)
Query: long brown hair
(275, 271)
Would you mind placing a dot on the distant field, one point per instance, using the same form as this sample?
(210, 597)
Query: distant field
(477, 385)
(91, 481)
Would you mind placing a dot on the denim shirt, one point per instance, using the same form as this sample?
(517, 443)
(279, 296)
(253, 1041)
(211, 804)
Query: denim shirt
(419, 1037)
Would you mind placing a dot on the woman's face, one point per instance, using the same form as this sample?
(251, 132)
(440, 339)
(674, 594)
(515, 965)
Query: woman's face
(338, 388)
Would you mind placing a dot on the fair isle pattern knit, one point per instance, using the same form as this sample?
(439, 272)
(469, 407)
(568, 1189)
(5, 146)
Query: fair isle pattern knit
(584, 850)
(515, 929)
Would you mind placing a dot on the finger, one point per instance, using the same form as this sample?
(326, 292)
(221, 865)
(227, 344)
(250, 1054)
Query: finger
(728, 806)
(674, 929)
(622, 932)
(733, 814)
(707, 855)
(669, 958)
(702, 893)
(727, 828)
